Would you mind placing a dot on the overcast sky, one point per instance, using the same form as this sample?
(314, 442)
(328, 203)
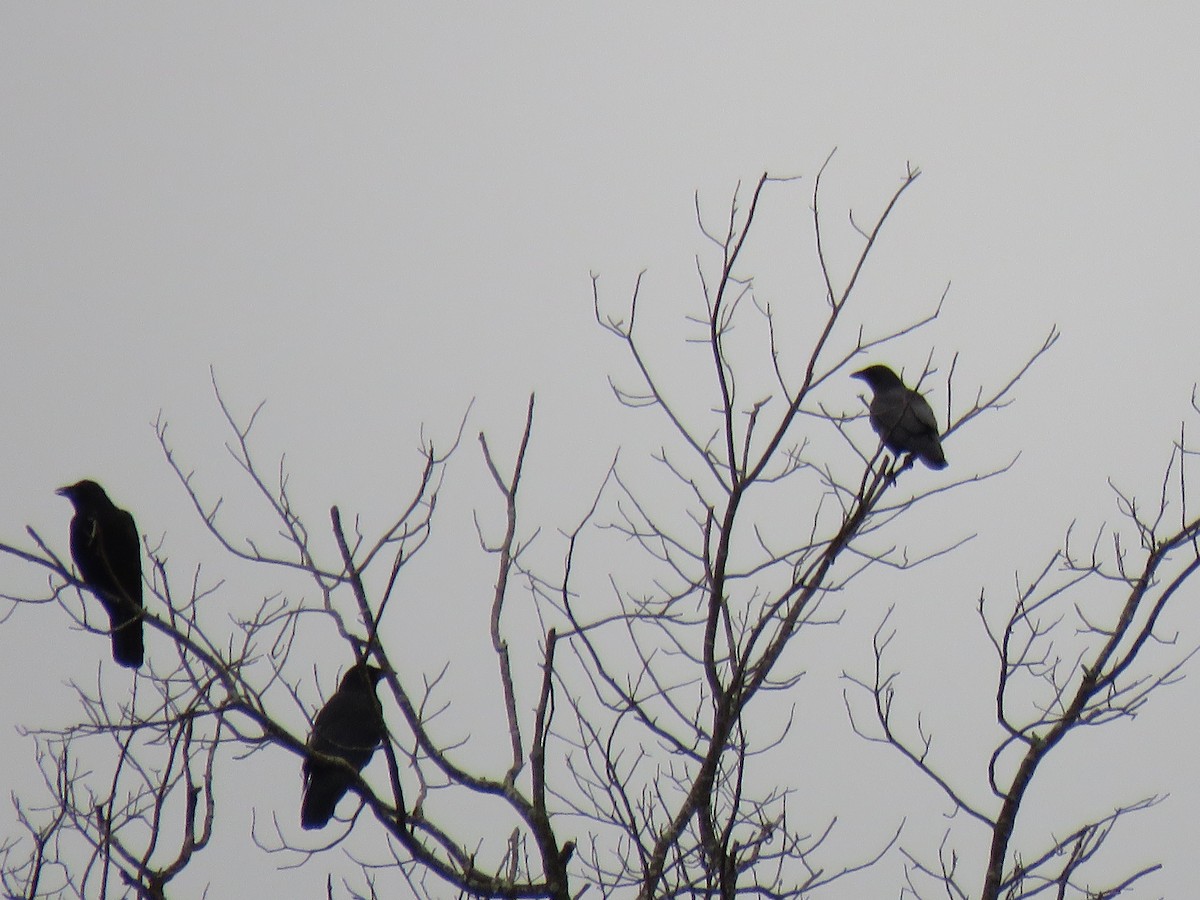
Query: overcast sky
(370, 215)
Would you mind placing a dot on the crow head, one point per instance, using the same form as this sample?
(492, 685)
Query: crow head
(85, 494)
(878, 377)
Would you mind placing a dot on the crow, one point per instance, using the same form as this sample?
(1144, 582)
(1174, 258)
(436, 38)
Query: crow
(902, 418)
(108, 554)
(350, 727)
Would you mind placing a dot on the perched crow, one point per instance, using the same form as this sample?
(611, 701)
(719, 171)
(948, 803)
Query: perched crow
(903, 419)
(108, 554)
(349, 726)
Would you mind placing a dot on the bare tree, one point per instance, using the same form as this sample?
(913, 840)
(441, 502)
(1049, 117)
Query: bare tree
(643, 656)
(1061, 666)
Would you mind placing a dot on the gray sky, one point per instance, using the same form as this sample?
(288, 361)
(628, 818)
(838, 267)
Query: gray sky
(369, 217)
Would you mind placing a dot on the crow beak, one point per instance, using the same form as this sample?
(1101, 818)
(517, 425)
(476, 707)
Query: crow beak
(64, 491)
(861, 373)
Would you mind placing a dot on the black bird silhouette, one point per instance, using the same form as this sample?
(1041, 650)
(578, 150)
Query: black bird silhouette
(902, 418)
(108, 554)
(350, 727)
